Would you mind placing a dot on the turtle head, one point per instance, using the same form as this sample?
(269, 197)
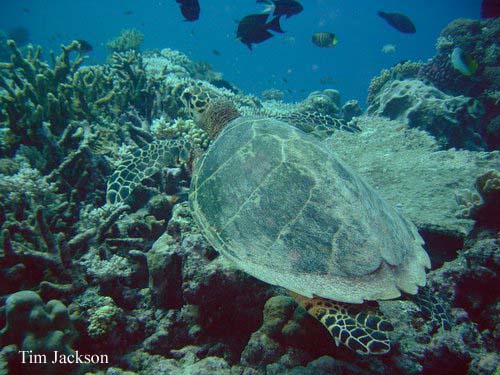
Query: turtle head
(218, 113)
(209, 110)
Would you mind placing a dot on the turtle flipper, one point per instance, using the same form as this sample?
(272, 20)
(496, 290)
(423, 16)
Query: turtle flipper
(361, 328)
(143, 163)
(431, 307)
(316, 123)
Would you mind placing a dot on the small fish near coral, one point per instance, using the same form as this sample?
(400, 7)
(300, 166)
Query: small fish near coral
(254, 29)
(85, 46)
(327, 80)
(190, 9)
(463, 62)
(20, 35)
(324, 39)
(399, 21)
(388, 49)
(490, 8)
(280, 8)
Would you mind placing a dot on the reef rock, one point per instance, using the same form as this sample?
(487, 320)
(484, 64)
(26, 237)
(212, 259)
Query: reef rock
(410, 171)
(452, 120)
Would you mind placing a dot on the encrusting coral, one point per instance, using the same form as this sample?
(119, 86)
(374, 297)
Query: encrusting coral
(484, 204)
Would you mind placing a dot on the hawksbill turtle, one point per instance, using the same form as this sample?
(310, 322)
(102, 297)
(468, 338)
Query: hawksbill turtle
(286, 210)
(196, 97)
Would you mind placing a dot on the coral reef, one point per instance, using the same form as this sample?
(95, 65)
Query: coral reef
(482, 205)
(452, 120)
(4, 49)
(180, 128)
(350, 110)
(479, 39)
(142, 284)
(35, 96)
(400, 71)
(129, 39)
(326, 102)
(272, 94)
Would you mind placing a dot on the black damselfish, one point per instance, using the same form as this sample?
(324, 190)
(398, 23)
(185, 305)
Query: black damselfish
(84, 46)
(286, 8)
(190, 9)
(254, 29)
(399, 21)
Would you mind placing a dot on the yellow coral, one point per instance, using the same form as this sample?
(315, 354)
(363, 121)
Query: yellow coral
(103, 319)
(180, 128)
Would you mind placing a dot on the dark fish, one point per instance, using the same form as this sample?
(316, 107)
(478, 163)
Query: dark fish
(20, 35)
(399, 21)
(216, 52)
(327, 80)
(55, 36)
(254, 29)
(84, 46)
(324, 39)
(128, 13)
(190, 9)
(26, 10)
(490, 8)
(286, 8)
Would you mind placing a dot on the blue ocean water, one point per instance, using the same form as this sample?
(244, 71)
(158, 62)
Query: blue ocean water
(289, 62)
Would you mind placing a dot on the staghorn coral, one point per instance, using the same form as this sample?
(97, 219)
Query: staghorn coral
(129, 39)
(132, 87)
(39, 223)
(41, 103)
(36, 93)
